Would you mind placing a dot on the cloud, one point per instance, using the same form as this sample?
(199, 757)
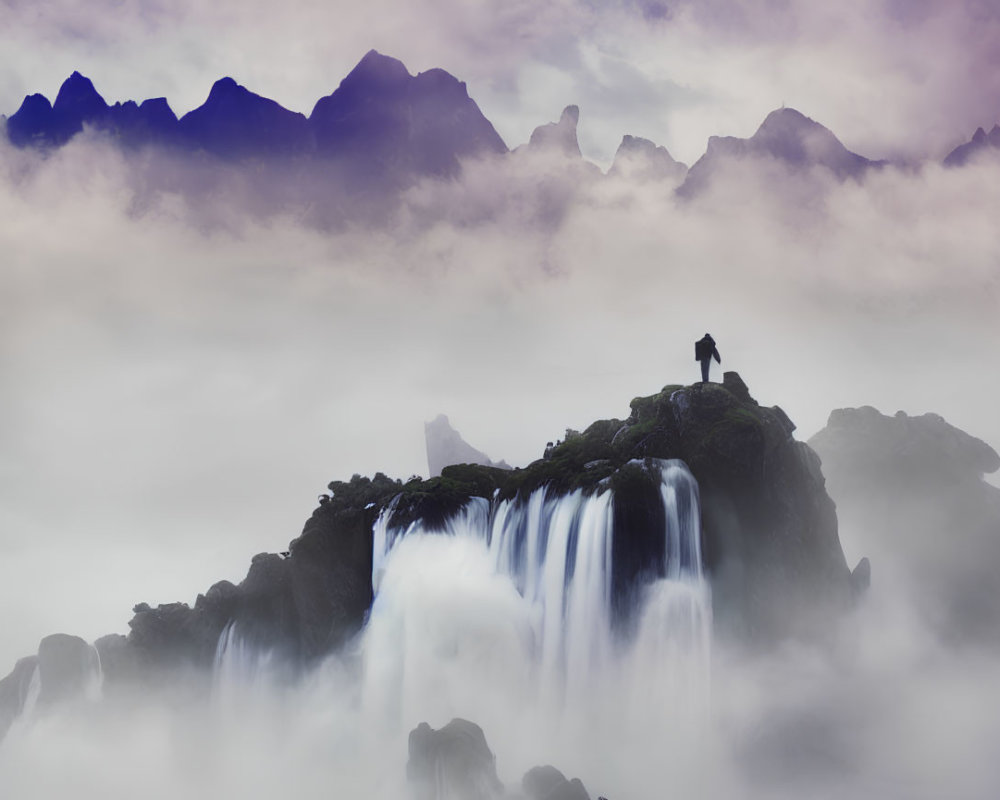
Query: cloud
(186, 369)
(184, 376)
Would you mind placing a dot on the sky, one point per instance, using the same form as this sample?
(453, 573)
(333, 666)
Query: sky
(175, 396)
(893, 78)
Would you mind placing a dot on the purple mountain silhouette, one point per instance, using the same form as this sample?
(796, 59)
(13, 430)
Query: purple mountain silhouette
(236, 123)
(787, 136)
(381, 125)
(384, 120)
(980, 142)
(39, 123)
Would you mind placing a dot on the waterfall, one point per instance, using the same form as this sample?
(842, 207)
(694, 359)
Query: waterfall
(241, 665)
(555, 553)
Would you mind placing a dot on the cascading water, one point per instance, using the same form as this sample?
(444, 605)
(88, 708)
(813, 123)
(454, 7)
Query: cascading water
(241, 666)
(556, 552)
(504, 615)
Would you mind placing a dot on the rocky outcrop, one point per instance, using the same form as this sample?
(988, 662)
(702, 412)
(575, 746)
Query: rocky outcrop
(453, 761)
(548, 783)
(65, 669)
(558, 137)
(769, 529)
(913, 488)
(786, 137)
(380, 120)
(445, 446)
(981, 142)
(769, 536)
(302, 604)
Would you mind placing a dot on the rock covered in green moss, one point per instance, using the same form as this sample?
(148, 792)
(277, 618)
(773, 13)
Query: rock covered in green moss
(770, 539)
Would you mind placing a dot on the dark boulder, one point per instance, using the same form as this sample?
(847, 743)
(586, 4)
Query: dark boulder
(453, 761)
(67, 667)
(548, 783)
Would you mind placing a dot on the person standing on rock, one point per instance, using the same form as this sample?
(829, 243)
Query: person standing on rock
(704, 351)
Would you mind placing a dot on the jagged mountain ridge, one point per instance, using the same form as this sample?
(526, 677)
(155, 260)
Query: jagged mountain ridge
(380, 116)
(381, 131)
(786, 136)
(981, 142)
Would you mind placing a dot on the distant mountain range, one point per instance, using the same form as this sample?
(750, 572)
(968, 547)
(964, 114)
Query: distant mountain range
(383, 128)
(380, 117)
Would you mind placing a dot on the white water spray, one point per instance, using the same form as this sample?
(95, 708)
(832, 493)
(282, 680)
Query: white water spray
(556, 552)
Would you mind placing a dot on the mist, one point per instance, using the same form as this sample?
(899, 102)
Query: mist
(183, 375)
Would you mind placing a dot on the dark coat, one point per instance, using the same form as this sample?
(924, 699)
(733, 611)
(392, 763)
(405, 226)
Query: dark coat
(705, 348)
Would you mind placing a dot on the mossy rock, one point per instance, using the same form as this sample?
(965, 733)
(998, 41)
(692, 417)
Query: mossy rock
(435, 500)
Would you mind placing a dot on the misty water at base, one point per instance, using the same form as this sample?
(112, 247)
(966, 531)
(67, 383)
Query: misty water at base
(503, 618)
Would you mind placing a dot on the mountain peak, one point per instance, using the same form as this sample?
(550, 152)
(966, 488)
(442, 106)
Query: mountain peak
(784, 125)
(786, 116)
(559, 136)
(375, 68)
(225, 87)
(643, 159)
(787, 136)
(78, 95)
(570, 116)
(981, 141)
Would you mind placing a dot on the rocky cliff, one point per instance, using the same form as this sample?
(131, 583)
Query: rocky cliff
(912, 488)
(770, 541)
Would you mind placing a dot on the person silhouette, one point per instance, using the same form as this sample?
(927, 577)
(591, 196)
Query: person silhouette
(704, 351)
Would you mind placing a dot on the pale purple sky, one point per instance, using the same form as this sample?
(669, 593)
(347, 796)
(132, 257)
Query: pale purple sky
(907, 78)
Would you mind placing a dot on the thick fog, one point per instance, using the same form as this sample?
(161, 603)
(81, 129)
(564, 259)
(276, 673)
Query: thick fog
(177, 395)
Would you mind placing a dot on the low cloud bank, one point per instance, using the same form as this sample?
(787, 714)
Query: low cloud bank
(183, 377)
